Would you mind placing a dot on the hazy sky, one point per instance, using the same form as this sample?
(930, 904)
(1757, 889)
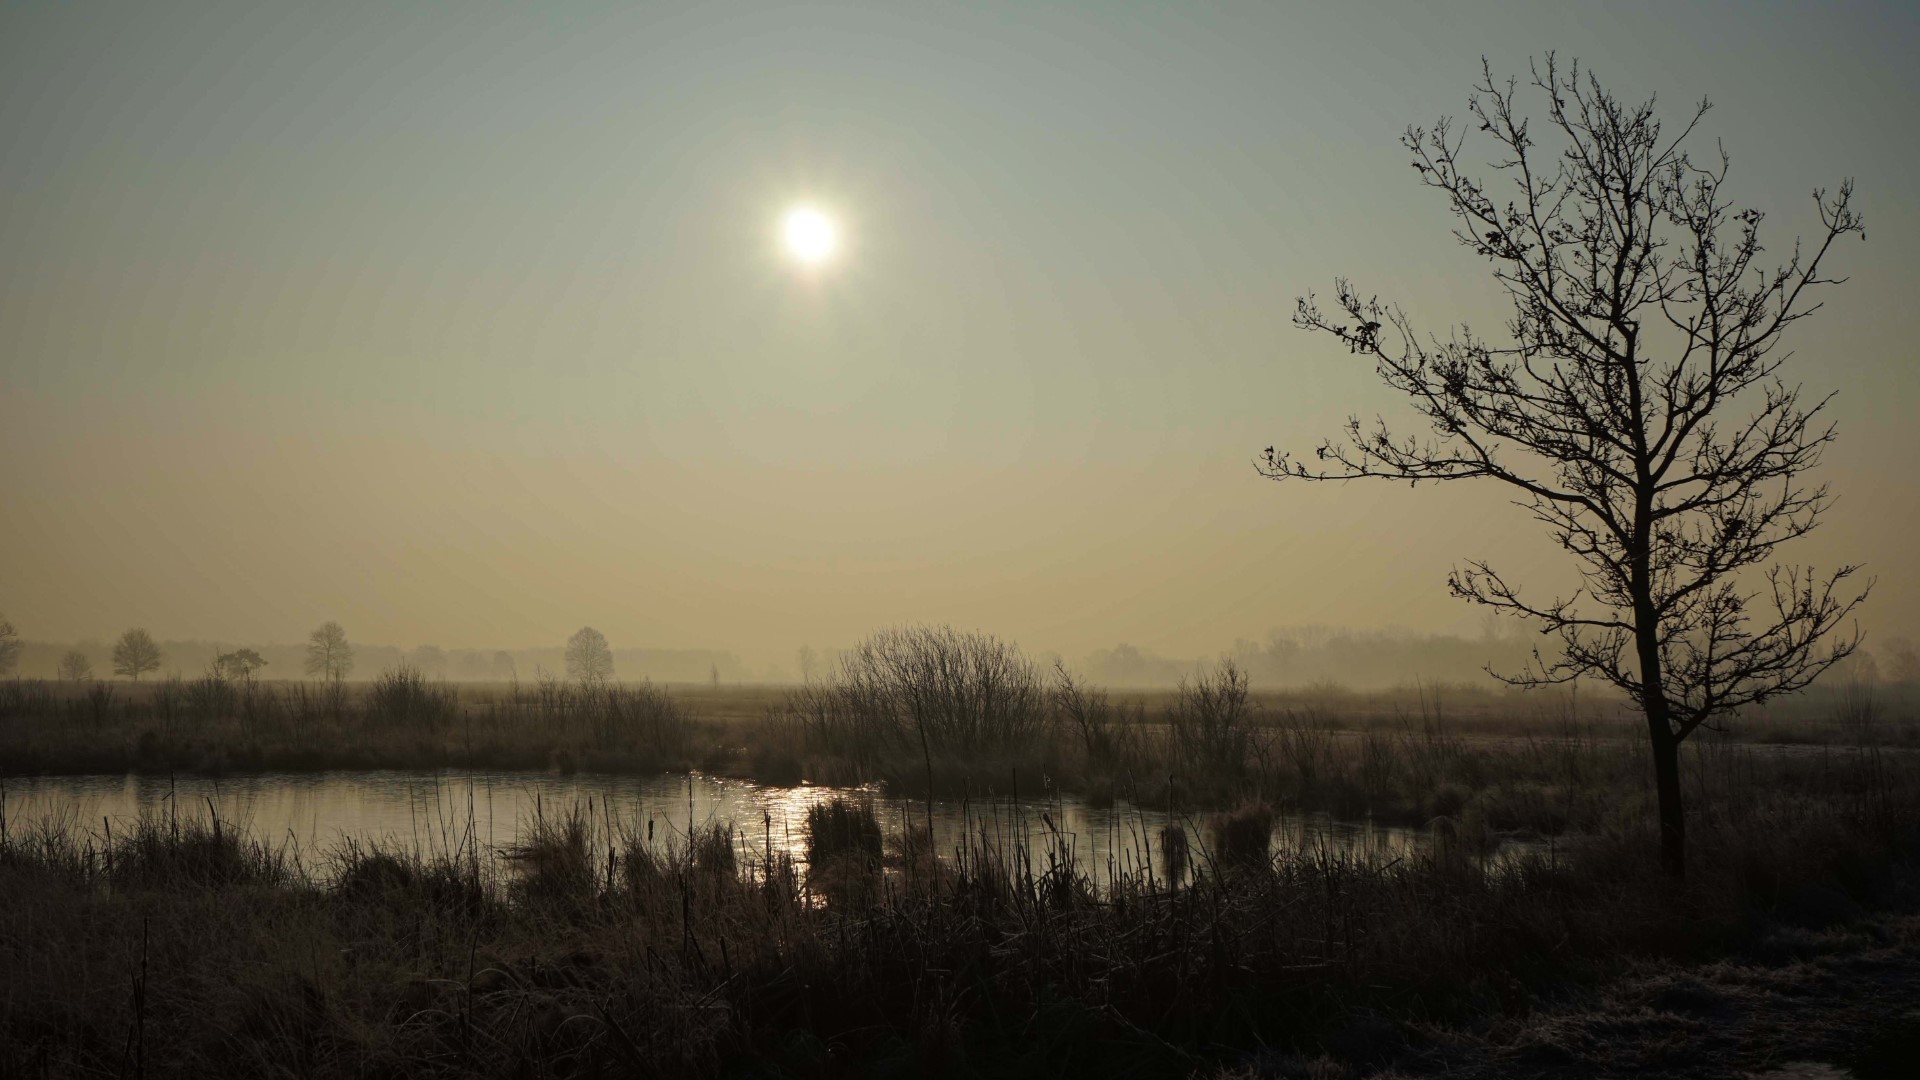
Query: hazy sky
(467, 323)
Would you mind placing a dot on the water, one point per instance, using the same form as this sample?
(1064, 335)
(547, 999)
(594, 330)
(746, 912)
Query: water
(454, 811)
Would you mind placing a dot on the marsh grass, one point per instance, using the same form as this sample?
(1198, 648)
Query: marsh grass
(843, 827)
(992, 725)
(193, 948)
(400, 720)
(182, 945)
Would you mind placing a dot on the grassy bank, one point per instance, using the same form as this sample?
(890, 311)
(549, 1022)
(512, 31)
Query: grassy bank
(186, 947)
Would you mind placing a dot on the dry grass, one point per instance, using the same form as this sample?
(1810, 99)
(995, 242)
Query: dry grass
(399, 721)
(185, 947)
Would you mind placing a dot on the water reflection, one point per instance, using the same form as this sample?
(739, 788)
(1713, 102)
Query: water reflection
(454, 811)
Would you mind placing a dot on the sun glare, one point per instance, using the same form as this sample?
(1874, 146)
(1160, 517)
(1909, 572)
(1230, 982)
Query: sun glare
(810, 235)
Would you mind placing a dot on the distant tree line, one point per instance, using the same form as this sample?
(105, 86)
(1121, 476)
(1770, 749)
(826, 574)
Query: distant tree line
(1303, 656)
(328, 654)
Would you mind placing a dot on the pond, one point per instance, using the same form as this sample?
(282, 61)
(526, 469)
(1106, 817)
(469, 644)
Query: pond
(314, 815)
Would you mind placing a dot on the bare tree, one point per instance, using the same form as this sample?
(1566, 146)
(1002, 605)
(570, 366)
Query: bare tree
(328, 653)
(135, 654)
(589, 660)
(9, 647)
(1636, 408)
(809, 663)
(75, 667)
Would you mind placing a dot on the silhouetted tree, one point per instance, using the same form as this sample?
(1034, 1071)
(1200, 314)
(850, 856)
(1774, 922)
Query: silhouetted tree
(588, 658)
(9, 647)
(135, 654)
(809, 663)
(503, 665)
(1636, 412)
(429, 660)
(1903, 661)
(238, 664)
(75, 667)
(328, 653)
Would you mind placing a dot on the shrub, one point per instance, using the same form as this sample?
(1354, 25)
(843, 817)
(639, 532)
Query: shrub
(402, 697)
(921, 692)
(1210, 721)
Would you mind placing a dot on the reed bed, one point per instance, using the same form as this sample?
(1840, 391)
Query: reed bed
(401, 720)
(184, 945)
(1209, 745)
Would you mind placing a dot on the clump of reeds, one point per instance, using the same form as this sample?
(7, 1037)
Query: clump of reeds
(844, 847)
(712, 850)
(843, 828)
(554, 861)
(373, 874)
(402, 697)
(620, 717)
(206, 853)
(642, 869)
(1242, 838)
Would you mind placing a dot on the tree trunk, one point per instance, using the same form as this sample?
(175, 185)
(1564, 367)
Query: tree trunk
(1653, 691)
(1673, 822)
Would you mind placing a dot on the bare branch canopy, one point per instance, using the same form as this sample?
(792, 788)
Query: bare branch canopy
(1636, 405)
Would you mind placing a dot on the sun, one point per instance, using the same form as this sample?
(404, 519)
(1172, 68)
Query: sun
(811, 237)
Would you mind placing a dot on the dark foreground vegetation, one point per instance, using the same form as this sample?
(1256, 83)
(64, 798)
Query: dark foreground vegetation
(182, 946)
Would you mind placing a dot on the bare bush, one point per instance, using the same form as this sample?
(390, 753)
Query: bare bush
(403, 697)
(926, 689)
(1210, 722)
(1084, 712)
